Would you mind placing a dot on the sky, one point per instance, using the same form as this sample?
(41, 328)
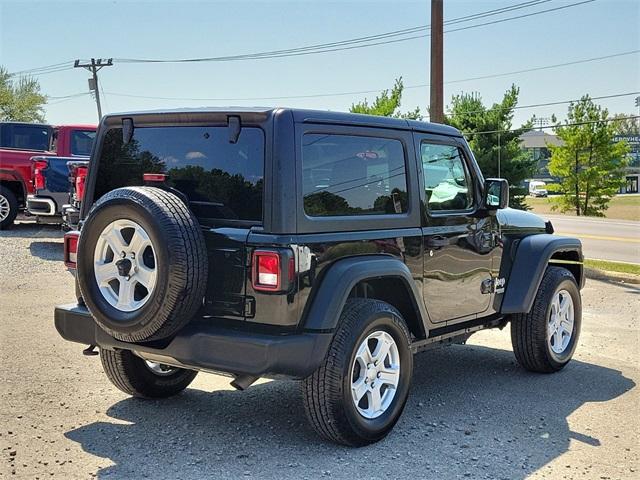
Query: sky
(39, 33)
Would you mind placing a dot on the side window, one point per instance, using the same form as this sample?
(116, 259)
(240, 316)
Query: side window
(446, 178)
(353, 175)
(81, 142)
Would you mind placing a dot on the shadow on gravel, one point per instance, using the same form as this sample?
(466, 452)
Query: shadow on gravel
(31, 229)
(53, 251)
(472, 413)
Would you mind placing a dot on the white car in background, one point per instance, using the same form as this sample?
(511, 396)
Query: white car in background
(538, 189)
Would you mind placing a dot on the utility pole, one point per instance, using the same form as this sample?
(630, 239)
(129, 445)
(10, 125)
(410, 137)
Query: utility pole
(436, 99)
(94, 67)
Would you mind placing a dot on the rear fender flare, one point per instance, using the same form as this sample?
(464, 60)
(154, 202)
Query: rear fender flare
(530, 262)
(324, 308)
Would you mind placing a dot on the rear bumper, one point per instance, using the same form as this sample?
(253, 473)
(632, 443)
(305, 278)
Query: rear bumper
(203, 346)
(41, 206)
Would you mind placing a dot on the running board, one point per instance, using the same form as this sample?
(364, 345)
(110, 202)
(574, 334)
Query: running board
(458, 333)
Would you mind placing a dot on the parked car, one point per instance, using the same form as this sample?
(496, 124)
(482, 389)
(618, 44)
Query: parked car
(200, 229)
(538, 189)
(21, 141)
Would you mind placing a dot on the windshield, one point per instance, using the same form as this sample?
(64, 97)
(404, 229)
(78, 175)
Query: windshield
(221, 180)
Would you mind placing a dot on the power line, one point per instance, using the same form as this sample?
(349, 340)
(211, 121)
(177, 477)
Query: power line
(362, 92)
(351, 44)
(56, 67)
(574, 124)
(61, 97)
(535, 69)
(58, 100)
(521, 16)
(359, 42)
(548, 104)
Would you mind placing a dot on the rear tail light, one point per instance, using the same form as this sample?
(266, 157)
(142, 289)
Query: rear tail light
(81, 177)
(273, 270)
(38, 167)
(71, 248)
(154, 177)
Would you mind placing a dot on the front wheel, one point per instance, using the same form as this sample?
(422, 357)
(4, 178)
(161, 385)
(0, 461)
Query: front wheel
(545, 339)
(357, 394)
(142, 378)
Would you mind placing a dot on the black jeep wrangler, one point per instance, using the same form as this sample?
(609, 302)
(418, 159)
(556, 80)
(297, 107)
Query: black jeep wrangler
(326, 247)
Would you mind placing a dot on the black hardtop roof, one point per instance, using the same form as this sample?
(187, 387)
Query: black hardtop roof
(299, 115)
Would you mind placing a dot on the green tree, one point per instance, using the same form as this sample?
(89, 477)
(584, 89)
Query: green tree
(20, 99)
(387, 104)
(495, 145)
(625, 125)
(590, 164)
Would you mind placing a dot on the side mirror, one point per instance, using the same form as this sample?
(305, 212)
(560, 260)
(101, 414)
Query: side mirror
(496, 191)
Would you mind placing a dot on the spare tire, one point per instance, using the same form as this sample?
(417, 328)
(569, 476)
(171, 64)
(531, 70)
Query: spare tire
(142, 264)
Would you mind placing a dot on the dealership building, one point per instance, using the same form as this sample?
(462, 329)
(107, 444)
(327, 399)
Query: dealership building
(536, 143)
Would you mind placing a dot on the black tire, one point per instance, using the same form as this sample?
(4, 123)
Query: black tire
(131, 374)
(327, 392)
(529, 331)
(11, 199)
(181, 263)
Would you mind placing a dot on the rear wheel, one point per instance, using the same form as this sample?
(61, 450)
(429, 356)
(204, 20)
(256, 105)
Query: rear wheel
(8, 207)
(545, 339)
(357, 395)
(142, 378)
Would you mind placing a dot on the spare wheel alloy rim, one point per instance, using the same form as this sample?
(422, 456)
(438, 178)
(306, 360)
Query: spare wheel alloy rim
(125, 265)
(560, 323)
(375, 374)
(4, 207)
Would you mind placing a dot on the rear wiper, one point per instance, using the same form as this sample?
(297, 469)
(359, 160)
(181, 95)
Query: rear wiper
(234, 128)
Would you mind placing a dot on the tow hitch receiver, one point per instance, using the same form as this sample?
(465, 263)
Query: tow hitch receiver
(90, 351)
(242, 382)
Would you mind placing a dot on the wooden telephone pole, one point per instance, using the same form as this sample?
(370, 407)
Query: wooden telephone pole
(436, 99)
(93, 67)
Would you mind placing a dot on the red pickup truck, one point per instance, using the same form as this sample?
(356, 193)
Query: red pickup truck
(21, 141)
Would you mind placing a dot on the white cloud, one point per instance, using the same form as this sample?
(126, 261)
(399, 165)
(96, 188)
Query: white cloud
(194, 155)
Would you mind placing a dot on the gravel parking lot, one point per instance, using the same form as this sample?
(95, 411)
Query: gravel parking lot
(472, 413)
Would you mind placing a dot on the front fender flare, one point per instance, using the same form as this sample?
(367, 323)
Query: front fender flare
(323, 309)
(531, 260)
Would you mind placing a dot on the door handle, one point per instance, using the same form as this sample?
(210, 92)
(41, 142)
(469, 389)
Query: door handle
(437, 241)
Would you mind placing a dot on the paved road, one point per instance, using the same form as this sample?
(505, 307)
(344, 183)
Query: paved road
(472, 413)
(603, 239)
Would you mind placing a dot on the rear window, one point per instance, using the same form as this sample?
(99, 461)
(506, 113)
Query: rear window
(82, 141)
(221, 180)
(25, 137)
(353, 175)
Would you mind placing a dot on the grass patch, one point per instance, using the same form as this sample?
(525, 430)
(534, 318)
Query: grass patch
(618, 267)
(621, 207)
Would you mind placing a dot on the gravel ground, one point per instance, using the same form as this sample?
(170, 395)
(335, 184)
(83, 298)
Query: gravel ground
(472, 413)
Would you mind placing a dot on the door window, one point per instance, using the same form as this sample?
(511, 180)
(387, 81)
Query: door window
(446, 178)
